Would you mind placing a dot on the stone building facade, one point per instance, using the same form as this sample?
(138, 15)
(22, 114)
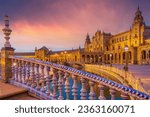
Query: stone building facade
(107, 48)
(111, 48)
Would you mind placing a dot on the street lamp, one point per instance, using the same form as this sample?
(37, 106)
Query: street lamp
(126, 48)
(91, 60)
(65, 52)
(100, 60)
(110, 60)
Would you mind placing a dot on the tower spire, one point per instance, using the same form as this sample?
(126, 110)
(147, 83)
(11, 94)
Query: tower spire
(138, 17)
(138, 7)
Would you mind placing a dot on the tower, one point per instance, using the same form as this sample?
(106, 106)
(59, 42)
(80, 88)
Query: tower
(137, 29)
(87, 42)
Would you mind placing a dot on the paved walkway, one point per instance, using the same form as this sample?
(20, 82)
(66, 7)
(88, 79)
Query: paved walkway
(141, 71)
(7, 90)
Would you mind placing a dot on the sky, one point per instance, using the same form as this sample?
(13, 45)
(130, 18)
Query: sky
(63, 24)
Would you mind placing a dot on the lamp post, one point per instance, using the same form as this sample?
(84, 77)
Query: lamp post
(126, 58)
(91, 60)
(100, 60)
(65, 55)
(110, 59)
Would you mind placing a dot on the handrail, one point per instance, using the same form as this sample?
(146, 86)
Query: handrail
(132, 80)
(91, 77)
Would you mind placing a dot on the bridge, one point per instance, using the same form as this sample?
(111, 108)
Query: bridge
(51, 81)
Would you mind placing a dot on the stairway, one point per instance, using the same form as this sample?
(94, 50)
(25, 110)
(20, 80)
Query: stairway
(11, 92)
(19, 96)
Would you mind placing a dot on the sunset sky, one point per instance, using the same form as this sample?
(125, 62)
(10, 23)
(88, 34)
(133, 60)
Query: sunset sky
(63, 24)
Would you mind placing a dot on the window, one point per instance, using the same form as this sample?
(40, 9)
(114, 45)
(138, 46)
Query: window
(113, 47)
(126, 38)
(119, 47)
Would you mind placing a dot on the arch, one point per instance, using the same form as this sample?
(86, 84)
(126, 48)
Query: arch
(115, 56)
(143, 54)
(83, 58)
(92, 59)
(129, 55)
(88, 58)
(123, 56)
(96, 59)
(75, 58)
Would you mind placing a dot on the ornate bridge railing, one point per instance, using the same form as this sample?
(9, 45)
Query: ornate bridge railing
(133, 81)
(50, 81)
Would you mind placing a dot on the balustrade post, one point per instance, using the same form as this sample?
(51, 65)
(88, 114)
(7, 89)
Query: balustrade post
(23, 71)
(19, 71)
(37, 75)
(5, 61)
(16, 71)
(67, 86)
(83, 89)
(112, 93)
(60, 84)
(124, 96)
(28, 74)
(48, 80)
(54, 84)
(13, 69)
(42, 78)
(101, 88)
(91, 94)
(74, 87)
(32, 76)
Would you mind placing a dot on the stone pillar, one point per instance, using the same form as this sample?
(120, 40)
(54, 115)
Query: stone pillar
(83, 89)
(16, 70)
(23, 72)
(19, 71)
(54, 84)
(28, 74)
(112, 93)
(37, 77)
(6, 51)
(124, 96)
(67, 86)
(42, 78)
(74, 87)
(13, 69)
(101, 88)
(6, 63)
(60, 85)
(48, 80)
(91, 94)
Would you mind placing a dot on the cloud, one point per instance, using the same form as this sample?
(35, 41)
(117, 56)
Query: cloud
(63, 24)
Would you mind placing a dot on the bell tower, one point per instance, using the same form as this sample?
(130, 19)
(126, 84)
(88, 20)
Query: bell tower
(137, 29)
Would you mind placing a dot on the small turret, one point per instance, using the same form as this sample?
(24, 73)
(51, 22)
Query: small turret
(35, 48)
(87, 42)
(87, 38)
(79, 48)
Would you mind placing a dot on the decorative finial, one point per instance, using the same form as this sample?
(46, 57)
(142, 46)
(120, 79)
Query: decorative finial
(6, 20)
(138, 7)
(79, 47)
(35, 48)
(7, 31)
